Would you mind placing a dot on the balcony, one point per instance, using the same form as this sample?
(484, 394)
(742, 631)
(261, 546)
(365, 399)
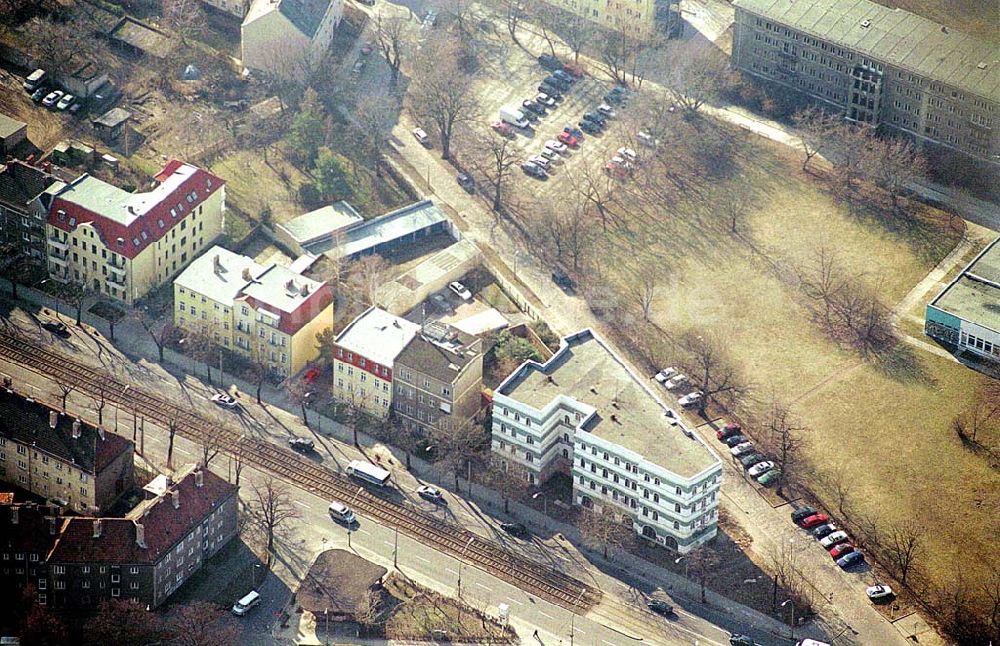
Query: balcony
(58, 259)
(59, 244)
(117, 269)
(116, 280)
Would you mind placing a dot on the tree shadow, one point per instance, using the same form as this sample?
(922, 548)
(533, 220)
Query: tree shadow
(903, 364)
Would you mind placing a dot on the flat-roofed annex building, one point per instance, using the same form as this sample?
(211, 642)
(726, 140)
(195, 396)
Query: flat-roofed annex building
(966, 314)
(584, 412)
(268, 313)
(876, 65)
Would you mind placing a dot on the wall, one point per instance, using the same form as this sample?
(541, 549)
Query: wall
(271, 44)
(304, 348)
(105, 488)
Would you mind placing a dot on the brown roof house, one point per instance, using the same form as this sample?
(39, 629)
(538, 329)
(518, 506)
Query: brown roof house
(63, 459)
(25, 196)
(27, 533)
(338, 585)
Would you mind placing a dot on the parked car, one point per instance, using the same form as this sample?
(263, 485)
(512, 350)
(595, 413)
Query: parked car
(751, 460)
(367, 49)
(616, 170)
(590, 127)
(576, 132)
(759, 468)
(550, 155)
(768, 478)
(675, 381)
(850, 560)
(441, 302)
(740, 449)
(515, 529)
(740, 640)
(615, 98)
(534, 170)
(65, 102)
(574, 69)
(556, 82)
(311, 375)
(503, 128)
(814, 521)
(421, 137)
(39, 94)
(840, 549)
(52, 98)
(301, 444)
(545, 100)
(550, 90)
(628, 154)
(801, 514)
(730, 429)
(660, 607)
(428, 492)
(563, 281)
(458, 289)
(823, 530)
(665, 374)
(58, 328)
(833, 538)
(550, 62)
(430, 20)
(879, 593)
(556, 146)
(532, 106)
(567, 139)
(733, 440)
(564, 76)
(691, 399)
(646, 139)
(596, 117)
(606, 110)
(224, 400)
(34, 80)
(544, 162)
(466, 182)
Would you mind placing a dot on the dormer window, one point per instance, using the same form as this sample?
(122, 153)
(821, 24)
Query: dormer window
(173, 213)
(208, 182)
(190, 199)
(180, 207)
(135, 241)
(72, 222)
(160, 222)
(144, 236)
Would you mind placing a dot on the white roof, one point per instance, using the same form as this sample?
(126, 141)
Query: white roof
(222, 280)
(482, 322)
(378, 336)
(281, 288)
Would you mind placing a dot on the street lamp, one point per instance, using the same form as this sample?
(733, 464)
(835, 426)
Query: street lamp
(461, 562)
(572, 618)
(256, 567)
(348, 527)
(545, 501)
(686, 564)
(785, 603)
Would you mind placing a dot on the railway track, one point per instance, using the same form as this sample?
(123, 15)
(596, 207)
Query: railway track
(529, 575)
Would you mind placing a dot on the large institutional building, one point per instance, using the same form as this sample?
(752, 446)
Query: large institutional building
(879, 66)
(635, 18)
(585, 413)
(124, 244)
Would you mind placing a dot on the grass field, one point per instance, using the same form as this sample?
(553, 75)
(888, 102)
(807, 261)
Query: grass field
(887, 426)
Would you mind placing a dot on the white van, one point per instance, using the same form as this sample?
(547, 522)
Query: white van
(34, 80)
(810, 642)
(514, 117)
(341, 513)
(244, 605)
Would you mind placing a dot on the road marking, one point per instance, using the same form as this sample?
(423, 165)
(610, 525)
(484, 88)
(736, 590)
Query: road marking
(422, 558)
(451, 570)
(389, 543)
(607, 642)
(301, 504)
(624, 585)
(545, 614)
(520, 603)
(364, 531)
(484, 587)
(578, 631)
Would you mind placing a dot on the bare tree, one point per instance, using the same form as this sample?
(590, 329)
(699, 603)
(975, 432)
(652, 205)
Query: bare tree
(120, 621)
(200, 623)
(213, 440)
(905, 544)
(161, 332)
(895, 164)
(643, 287)
(839, 483)
(100, 401)
(600, 193)
(371, 123)
(783, 438)
(201, 347)
(991, 591)
(495, 158)
(65, 388)
(816, 128)
(368, 610)
(390, 34)
(76, 294)
(239, 455)
(186, 18)
(785, 569)
(567, 231)
(300, 393)
(173, 423)
(366, 275)
(736, 202)
(460, 447)
(510, 482)
(604, 529)
(515, 11)
(273, 505)
(578, 31)
(709, 363)
(441, 93)
(703, 564)
(59, 46)
(694, 77)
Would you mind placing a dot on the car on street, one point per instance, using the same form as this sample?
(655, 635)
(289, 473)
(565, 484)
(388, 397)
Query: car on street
(550, 62)
(52, 98)
(65, 102)
(733, 440)
(466, 182)
(421, 137)
(576, 132)
(850, 560)
(676, 381)
(341, 513)
(516, 530)
(768, 478)
(606, 110)
(544, 162)
(801, 514)
(879, 593)
(736, 639)
(823, 530)
(730, 429)
(660, 607)
(691, 399)
(460, 290)
(840, 549)
(58, 328)
(814, 521)
(563, 281)
(550, 90)
(567, 139)
(532, 106)
(503, 128)
(441, 302)
(590, 127)
(534, 170)
(759, 468)
(751, 460)
(662, 376)
(545, 100)
(428, 492)
(224, 400)
(833, 538)
(556, 146)
(302, 444)
(740, 449)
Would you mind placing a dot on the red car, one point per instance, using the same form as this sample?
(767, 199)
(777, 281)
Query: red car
(504, 129)
(814, 521)
(567, 139)
(614, 170)
(840, 550)
(574, 69)
(310, 375)
(732, 428)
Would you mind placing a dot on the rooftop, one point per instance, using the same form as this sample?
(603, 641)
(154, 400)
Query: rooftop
(219, 274)
(361, 236)
(378, 336)
(282, 288)
(28, 422)
(338, 581)
(28, 527)
(143, 37)
(627, 413)
(975, 294)
(895, 36)
(440, 351)
(322, 223)
(20, 183)
(304, 15)
(112, 118)
(9, 126)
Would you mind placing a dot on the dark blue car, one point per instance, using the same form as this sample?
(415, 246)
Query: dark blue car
(850, 560)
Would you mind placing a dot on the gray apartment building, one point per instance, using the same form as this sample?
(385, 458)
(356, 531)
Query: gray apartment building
(438, 378)
(879, 66)
(25, 196)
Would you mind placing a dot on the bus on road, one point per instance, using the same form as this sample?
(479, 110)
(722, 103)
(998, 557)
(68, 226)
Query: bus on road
(368, 472)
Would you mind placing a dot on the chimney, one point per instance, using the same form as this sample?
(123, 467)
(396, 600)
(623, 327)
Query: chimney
(97, 528)
(593, 390)
(53, 419)
(304, 291)
(13, 514)
(76, 429)
(290, 285)
(216, 264)
(131, 209)
(170, 481)
(140, 535)
(246, 274)
(100, 432)
(614, 418)
(175, 498)
(199, 479)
